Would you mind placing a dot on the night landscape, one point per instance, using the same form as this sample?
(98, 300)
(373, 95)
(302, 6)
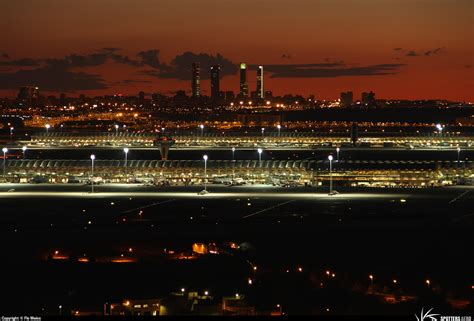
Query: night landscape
(237, 159)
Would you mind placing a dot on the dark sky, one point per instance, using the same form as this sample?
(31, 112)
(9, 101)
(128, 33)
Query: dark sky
(397, 48)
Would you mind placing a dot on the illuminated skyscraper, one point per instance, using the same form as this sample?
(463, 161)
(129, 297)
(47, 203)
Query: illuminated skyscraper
(244, 88)
(260, 90)
(346, 99)
(196, 80)
(215, 89)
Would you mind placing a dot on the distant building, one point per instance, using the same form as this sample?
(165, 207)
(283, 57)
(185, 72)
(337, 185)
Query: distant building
(229, 95)
(196, 80)
(268, 94)
(62, 99)
(260, 88)
(141, 96)
(368, 98)
(215, 88)
(346, 99)
(244, 88)
(28, 93)
(221, 95)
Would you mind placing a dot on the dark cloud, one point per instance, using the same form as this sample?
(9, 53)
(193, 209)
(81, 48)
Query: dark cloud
(25, 62)
(467, 66)
(52, 78)
(285, 56)
(110, 49)
(435, 51)
(180, 66)
(133, 81)
(415, 53)
(4, 55)
(329, 70)
(150, 58)
(412, 53)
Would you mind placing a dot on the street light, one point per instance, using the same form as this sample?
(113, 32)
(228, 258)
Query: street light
(337, 151)
(60, 309)
(279, 129)
(259, 155)
(4, 150)
(47, 126)
(202, 128)
(263, 131)
(439, 127)
(330, 174)
(459, 153)
(116, 128)
(24, 148)
(125, 150)
(11, 131)
(205, 172)
(92, 172)
(233, 154)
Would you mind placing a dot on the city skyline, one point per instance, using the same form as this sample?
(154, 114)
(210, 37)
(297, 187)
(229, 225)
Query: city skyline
(324, 49)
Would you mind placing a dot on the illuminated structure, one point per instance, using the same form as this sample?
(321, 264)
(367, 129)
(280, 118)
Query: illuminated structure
(244, 88)
(346, 99)
(28, 94)
(260, 89)
(196, 80)
(215, 88)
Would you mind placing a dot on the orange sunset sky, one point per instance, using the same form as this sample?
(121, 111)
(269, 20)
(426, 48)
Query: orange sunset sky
(407, 49)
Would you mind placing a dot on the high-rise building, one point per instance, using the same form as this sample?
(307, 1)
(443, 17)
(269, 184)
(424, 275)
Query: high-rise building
(244, 88)
(368, 98)
(28, 93)
(215, 89)
(346, 99)
(260, 90)
(141, 96)
(196, 80)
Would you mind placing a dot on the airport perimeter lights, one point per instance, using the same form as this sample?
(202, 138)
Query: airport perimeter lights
(126, 150)
(205, 172)
(4, 150)
(47, 126)
(92, 172)
(24, 148)
(259, 155)
(202, 129)
(330, 174)
(279, 129)
(337, 152)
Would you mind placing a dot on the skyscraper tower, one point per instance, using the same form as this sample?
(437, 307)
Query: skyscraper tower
(244, 88)
(260, 90)
(196, 80)
(215, 82)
